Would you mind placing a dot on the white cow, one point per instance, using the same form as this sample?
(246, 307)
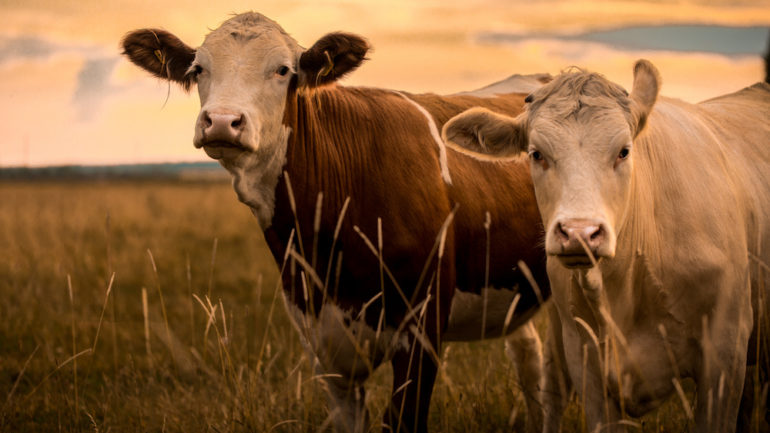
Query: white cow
(657, 218)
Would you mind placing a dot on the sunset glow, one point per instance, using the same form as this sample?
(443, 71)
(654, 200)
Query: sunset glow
(69, 98)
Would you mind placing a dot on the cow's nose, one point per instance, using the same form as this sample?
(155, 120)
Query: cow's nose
(221, 126)
(570, 233)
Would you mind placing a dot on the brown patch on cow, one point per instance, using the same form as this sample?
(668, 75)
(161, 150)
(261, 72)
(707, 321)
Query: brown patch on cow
(389, 160)
(161, 53)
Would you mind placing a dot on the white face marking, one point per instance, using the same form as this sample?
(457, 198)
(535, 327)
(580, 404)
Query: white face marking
(255, 177)
(243, 73)
(436, 137)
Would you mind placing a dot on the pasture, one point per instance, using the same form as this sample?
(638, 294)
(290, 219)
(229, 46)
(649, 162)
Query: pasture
(154, 306)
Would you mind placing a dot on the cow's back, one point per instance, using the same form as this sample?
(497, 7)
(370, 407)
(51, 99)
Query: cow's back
(742, 121)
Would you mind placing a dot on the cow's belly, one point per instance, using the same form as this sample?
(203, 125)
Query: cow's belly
(468, 320)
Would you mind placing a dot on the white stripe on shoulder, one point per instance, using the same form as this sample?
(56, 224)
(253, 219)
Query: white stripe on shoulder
(436, 136)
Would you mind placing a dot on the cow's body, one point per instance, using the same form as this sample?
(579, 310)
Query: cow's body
(677, 214)
(700, 202)
(393, 178)
(374, 223)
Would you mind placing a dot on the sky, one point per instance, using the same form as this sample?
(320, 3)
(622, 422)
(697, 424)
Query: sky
(68, 97)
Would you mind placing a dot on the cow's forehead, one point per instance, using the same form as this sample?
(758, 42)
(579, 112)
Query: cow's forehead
(579, 95)
(577, 106)
(248, 27)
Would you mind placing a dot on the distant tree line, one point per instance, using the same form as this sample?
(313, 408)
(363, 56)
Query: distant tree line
(181, 171)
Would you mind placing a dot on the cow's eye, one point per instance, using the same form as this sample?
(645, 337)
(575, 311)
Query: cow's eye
(624, 152)
(282, 71)
(536, 155)
(197, 70)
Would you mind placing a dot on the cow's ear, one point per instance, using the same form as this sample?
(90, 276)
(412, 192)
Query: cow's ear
(331, 57)
(644, 93)
(160, 53)
(485, 135)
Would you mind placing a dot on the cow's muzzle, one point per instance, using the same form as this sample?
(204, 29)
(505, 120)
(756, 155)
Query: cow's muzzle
(220, 132)
(579, 243)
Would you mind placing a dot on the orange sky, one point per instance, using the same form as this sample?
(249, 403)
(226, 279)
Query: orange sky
(66, 97)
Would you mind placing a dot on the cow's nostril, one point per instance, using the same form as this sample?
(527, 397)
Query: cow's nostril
(206, 119)
(597, 234)
(561, 232)
(237, 122)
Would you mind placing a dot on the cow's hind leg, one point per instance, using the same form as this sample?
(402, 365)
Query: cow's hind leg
(414, 373)
(347, 403)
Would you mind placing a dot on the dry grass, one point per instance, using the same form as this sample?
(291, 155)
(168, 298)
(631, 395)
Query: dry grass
(146, 306)
(171, 364)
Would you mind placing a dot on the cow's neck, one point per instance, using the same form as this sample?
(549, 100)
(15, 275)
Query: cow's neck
(324, 155)
(326, 151)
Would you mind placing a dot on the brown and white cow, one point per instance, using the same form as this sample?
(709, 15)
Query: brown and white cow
(393, 243)
(657, 232)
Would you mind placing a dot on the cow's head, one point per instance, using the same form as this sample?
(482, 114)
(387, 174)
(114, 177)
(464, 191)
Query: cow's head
(578, 131)
(244, 71)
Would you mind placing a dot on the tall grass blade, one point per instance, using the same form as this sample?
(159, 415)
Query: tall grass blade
(146, 314)
(74, 350)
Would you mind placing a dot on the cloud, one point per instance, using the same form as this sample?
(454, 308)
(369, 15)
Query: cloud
(93, 85)
(728, 41)
(25, 48)
(93, 81)
(39, 49)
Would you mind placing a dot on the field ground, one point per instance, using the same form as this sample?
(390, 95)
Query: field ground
(105, 294)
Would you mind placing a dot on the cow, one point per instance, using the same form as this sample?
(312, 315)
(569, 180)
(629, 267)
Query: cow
(657, 218)
(388, 244)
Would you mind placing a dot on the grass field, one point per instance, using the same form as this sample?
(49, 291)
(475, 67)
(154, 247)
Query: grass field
(151, 306)
(77, 357)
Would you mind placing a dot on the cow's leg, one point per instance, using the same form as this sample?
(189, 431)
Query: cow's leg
(524, 348)
(585, 363)
(556, 381)
(346, 351)
(414, 373)
(601, 410)
(746, 411)
(347, 403)
(722, 372)
(720, 391)
(344, 371)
